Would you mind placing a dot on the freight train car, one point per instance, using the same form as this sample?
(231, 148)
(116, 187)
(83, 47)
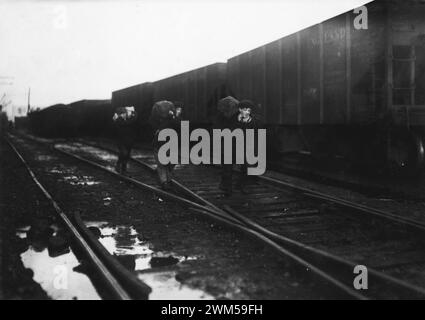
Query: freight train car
(90, 117)
(197, 90)
(343, 89)
(84, 117)
(51, 121)
(3, 121)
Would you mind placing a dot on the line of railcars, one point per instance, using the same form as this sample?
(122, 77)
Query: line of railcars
(329, 89)
(79, 118)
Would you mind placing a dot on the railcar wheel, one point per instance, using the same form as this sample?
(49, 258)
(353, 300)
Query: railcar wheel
(405, 152)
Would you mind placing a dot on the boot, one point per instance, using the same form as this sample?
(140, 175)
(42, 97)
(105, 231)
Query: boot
(123, 168)
(118, 167)
(166, 186)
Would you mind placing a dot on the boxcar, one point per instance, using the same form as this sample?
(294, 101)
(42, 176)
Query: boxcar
(198, 90)
(89, 117)
(84, 117)
(51, 121)
(3, 121)
(334, 88)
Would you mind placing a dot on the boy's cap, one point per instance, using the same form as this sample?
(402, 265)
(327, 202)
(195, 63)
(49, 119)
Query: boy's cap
(245, 104)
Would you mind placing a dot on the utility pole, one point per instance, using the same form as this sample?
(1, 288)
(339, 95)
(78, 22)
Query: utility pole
(29, 97)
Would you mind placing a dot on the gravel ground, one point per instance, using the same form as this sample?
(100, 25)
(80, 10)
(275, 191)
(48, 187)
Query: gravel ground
(407, 208)
(227, 265)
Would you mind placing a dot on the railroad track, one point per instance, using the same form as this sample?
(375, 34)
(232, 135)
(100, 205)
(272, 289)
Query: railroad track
(117, 282)
(316, 231)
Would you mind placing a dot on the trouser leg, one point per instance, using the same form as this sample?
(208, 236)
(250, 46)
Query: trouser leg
(162, 171)
(169, 170)
(118, 166)
(126, 152)
(162, 174)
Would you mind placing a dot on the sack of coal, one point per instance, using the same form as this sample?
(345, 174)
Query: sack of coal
(228, 106)
(124, 114)
(162, 110)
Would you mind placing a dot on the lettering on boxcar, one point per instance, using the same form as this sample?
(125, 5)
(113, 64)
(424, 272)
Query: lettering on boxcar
(334, 35)
(330, 36)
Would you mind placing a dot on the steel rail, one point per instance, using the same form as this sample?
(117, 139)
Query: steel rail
(409, 289)
(266, 236)
(117, 291)
(348, 266)
(148, 187)
(393, 218)
(224, 217)
(151, 168)
(288, 254)
(348, 204)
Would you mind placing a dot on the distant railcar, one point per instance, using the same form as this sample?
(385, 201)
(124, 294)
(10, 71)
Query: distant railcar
(338, 89)
(22, 123)
(84, 117)
(51, 121)
(3, 121)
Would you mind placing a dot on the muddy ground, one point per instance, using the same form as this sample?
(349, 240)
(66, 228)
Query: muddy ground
(213, 261)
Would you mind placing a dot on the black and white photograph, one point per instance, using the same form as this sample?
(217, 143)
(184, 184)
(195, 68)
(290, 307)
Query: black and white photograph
(212, 155)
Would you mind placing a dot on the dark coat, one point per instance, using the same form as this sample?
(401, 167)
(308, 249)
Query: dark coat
(165, 123)
(223, 122)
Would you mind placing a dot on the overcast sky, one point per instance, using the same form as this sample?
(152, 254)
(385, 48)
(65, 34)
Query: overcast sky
(71, 50)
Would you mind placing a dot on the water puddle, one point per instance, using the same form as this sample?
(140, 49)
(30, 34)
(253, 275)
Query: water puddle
(63, 170)
(55, 270)
(133, 251)
(45, 158)
(165, 287)
(77, 148)
(73, 179)
(99, 153)
(80, 180)
(104, 155)
(107, 201)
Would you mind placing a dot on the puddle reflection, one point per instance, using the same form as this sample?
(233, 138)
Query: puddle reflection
(80, 180)
(72, 178)
(124, 242)
(165, 287)
(56, 275)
